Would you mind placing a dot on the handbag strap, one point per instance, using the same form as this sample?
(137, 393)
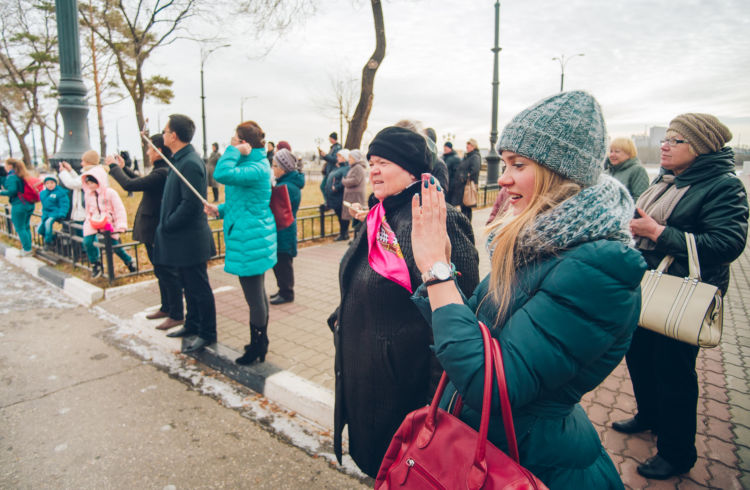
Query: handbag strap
(510, 431)
(693, 264)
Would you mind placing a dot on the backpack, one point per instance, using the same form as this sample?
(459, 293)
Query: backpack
(32, 186)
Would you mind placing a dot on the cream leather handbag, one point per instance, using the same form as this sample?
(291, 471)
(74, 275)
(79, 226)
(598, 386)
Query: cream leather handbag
(682, 308)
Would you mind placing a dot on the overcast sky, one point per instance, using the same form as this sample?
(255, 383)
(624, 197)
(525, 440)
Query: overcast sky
(644, 61)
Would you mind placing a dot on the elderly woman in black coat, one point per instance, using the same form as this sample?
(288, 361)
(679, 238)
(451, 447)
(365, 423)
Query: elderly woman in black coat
(384, 366)
(696, 192)
(467, 169)
(146, 221)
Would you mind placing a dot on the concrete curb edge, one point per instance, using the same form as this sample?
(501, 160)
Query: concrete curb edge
(79, 290)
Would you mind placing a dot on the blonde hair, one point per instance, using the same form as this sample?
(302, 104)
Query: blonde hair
(18, 167)
(626, 145)
(672, 132)
(550, 189)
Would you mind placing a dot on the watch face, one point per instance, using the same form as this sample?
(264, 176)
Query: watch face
(441, 270)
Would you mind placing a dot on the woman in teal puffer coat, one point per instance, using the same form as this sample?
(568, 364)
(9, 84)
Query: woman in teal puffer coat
(249, 227)
(563, 295)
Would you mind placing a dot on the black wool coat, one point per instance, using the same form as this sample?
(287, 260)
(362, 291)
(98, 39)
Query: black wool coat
(152, 186)
(384, 366)
(183, 237)
(715, 210)
(467, 169)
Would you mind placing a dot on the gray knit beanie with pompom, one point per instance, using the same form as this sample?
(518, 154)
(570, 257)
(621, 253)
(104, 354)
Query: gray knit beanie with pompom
(564, 132)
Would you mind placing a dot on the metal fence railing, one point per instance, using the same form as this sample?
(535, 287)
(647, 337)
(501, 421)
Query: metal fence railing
(313, 223)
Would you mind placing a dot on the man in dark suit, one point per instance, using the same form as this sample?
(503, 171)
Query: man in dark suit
(183, 238)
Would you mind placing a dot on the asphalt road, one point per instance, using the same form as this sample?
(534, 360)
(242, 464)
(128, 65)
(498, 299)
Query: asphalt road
(77, 411)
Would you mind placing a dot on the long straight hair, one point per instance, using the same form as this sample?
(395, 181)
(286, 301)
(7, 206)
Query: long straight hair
(18, 167)
(550, 189)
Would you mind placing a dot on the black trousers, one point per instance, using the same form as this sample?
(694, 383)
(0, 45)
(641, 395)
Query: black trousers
(201, 308)
(284, 272)
(666, 389)
(467, 211)
(170, 287)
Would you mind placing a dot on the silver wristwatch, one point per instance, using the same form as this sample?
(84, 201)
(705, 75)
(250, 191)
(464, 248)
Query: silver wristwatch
(439, 272)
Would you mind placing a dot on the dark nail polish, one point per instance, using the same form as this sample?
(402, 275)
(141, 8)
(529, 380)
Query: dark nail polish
(426, 184)
(439, 189)
(432, 180)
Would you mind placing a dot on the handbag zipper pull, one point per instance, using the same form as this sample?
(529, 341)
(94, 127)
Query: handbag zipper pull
(409, 466)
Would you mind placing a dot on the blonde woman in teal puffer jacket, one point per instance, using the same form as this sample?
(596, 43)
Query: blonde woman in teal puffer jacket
(249, 227)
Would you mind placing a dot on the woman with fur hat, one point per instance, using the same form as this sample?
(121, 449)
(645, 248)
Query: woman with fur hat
(355, 185)
(562, 296)
(696, 192)
(384, 365)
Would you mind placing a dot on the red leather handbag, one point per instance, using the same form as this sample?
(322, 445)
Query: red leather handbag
(281, 207)
(434, 449)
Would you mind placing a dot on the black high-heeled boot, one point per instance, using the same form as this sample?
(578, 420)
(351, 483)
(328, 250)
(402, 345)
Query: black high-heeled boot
(257, 348)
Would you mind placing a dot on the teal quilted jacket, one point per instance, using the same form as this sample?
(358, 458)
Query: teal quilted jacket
(249, 227)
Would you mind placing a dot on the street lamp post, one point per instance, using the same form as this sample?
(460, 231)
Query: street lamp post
(493, 158)
(204, 57)
(564, 62)
(71, 90)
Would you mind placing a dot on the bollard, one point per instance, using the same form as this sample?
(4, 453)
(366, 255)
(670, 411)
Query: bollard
(108, 253)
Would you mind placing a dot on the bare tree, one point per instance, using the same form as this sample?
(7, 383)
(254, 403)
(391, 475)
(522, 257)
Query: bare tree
(340, 99)
(132, 32)
(358, 124)
(27, 43)
(101, 70)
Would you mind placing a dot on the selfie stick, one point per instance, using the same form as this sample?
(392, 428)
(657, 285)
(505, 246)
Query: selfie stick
(148, 140)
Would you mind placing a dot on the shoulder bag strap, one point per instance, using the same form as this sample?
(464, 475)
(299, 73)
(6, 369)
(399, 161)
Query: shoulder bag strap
(510, 431)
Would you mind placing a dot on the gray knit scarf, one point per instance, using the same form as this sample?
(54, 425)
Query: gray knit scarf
(658, 201)
(600, 211)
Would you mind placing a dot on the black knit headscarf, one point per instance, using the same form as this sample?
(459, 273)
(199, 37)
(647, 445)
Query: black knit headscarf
(403, 147)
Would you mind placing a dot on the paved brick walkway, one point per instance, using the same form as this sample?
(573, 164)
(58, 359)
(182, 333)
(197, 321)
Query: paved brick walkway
(302, 343)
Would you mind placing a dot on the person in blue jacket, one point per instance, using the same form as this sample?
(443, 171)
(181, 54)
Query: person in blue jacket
(335, 193)
(55, 207)
(20, 209)
(284, 168)
(249, 227)
(563, 295)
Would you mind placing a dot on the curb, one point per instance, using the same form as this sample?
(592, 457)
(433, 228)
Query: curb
(285, 388)
(79, 290)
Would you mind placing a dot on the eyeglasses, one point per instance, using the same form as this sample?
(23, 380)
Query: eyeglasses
(672, 141)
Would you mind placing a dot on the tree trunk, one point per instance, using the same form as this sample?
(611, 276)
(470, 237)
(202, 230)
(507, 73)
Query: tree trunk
(358, 124)
(98, 95)
(43, 139)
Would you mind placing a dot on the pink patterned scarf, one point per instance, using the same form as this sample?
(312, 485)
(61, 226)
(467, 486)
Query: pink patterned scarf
(385, 256)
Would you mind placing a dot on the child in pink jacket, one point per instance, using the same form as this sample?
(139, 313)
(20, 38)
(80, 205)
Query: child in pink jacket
(104, 212)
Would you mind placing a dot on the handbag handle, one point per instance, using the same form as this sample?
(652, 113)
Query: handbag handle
(693, 264)
(492, 358)
(510, 431)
